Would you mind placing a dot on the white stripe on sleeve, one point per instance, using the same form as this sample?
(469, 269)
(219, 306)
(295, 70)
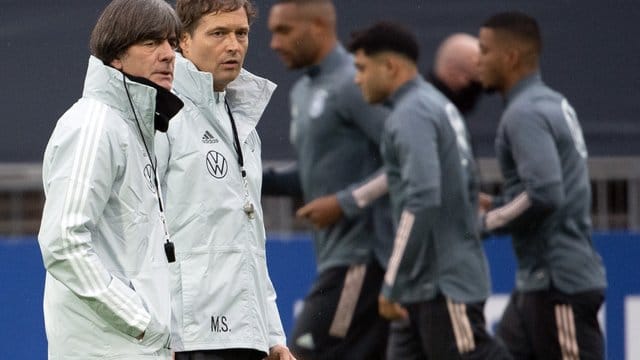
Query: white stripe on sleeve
(400, 244)
(370, 191)
(501, 216)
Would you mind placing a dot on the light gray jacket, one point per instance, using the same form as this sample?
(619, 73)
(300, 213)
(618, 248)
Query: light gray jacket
(222, 294)
(100, 236)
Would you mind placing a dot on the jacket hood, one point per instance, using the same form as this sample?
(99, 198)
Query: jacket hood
(247, 95)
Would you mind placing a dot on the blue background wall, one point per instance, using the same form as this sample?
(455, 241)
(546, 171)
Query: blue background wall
(292, 269)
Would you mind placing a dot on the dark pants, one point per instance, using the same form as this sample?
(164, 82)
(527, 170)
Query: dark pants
(548, 325)
(339, 319)
(441, 329)
(225, 354)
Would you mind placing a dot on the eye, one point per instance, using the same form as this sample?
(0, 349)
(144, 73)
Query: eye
(242, 34)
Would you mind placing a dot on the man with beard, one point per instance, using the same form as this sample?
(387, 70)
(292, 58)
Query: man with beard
(336, 135)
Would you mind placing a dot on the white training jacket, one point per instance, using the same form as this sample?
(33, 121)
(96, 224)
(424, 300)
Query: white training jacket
(222, 295)
(101, 236)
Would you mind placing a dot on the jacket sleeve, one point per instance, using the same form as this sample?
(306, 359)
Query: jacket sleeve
(370, 119)
(80, 166)
(276, 331)
(538, 165)
(415, 145)
(281, 182)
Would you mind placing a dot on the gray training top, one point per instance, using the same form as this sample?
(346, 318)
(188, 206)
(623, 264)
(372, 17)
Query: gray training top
(430, 170)
(547, 195)
(336, 135)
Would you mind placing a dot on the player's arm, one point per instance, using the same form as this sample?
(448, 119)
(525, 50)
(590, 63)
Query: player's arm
(538, 165)
(355, 197)
(80, 170)
(281, 181)
(416, 149)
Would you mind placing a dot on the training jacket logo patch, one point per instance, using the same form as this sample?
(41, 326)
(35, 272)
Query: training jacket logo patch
(217, 165)
(208, 138)
(317, 103)
(149, 175)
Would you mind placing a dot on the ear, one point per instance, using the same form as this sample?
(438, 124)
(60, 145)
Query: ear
(116, 63)
(390, 63)
(513, 57)
(185, 42)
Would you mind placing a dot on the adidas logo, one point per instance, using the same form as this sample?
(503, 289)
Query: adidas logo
(207, 138)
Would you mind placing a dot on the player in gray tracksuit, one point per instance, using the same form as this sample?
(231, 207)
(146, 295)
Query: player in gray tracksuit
(437, 277)
(545, 205)
(336, 136)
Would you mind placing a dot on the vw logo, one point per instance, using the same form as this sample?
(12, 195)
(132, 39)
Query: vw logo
(150, 176)
(217, 165)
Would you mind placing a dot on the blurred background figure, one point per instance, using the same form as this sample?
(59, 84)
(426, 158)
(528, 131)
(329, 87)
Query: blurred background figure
(336, 136)
(455, 71)
(437, 279)
(545, 204)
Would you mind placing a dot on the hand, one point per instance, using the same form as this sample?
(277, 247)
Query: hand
(279, 352)
(485, 202)
(321, 212)
(391, 310)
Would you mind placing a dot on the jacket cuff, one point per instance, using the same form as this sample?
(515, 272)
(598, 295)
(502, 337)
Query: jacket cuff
(348, 203)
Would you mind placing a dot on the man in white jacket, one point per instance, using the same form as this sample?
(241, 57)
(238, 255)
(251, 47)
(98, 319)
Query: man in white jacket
(106, 290)
(210, 165)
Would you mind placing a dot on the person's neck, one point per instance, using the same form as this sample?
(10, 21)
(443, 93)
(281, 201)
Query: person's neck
(517, 76)
(326, 47)
(405, 74)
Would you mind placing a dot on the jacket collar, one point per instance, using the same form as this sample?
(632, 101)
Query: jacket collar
(332, 61)
(248, 95)
(522, 85)
(404, 89)
(106, 84)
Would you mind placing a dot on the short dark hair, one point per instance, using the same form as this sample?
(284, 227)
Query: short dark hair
(191, 11)
(386, 36)
(520, 25)
(127, 22)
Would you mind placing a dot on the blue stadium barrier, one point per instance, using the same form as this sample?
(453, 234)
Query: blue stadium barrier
(292, 270)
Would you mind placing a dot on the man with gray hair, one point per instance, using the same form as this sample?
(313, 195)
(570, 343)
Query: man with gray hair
(106, 291)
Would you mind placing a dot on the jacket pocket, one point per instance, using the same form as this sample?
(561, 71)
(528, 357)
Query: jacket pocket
(215, 293)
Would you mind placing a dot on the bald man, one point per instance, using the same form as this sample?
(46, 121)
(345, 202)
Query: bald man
(336, 136)
(455, 71)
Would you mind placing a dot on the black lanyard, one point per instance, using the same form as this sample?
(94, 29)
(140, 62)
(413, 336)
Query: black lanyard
(236, 140)
(169, 248)
(248, 207)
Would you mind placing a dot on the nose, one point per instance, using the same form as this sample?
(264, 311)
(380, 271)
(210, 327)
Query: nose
(357, 79)
(165, 51)
(275, 43)
(233, 44)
